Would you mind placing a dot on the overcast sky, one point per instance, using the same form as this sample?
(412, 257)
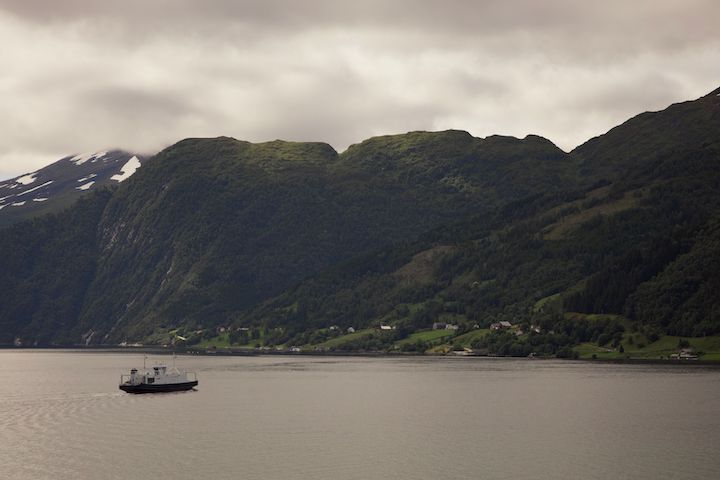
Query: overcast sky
(88, 75)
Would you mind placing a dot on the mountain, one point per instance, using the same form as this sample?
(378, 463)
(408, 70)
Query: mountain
(286, 240)
(634, 234)
(58, 185)
(211, 227)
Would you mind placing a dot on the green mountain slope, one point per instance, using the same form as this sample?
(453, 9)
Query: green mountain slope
(213, 227)
(47, 266)
(618, 249)
(683, 298)
(290, 239)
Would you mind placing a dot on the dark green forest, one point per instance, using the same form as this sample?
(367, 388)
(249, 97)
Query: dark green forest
(290, 239)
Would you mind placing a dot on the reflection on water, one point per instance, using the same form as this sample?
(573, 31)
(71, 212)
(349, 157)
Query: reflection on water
(62, 417)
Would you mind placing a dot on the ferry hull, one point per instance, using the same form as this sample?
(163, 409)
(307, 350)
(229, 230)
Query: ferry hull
(158, 388)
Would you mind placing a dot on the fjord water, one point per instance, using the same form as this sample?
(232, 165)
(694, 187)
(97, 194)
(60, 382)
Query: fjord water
(62, 417)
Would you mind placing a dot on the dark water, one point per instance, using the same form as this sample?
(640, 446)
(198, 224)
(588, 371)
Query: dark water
(62, 417)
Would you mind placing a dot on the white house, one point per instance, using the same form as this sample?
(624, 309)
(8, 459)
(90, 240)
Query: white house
(504, 325)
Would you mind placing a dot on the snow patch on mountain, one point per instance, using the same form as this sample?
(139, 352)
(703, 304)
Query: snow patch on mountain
(84, 157)
(127, 170)
(85, 179)
(18, 204)
(40, 199)
(35, 188)
(27, 179)
(86, 186)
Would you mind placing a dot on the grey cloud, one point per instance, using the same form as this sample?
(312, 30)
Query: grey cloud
(82, 75)
(673, 20)
(150, 105)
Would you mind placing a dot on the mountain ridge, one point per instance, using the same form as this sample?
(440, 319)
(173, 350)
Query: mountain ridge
(295, 237)
(57, 185)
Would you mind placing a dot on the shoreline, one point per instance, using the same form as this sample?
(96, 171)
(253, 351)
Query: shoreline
(283, 353)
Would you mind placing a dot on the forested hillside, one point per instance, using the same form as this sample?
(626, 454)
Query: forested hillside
(211, 227)
(616, 243)
(289, 239)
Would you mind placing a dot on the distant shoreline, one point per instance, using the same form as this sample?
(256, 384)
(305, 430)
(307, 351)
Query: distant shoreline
(285, 353)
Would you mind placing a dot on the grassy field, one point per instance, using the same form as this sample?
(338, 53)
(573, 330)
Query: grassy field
(627, 323)
(446, 337)
(337, 341)
(221, 341)
(466, 339)
(568, 223)
(553, 303)
(707, 347)
(425, 336)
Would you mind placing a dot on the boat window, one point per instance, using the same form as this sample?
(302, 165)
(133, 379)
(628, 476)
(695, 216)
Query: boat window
(151, 380)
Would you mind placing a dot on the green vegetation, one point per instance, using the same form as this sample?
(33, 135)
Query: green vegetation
(423, 340)
(426, 336)
(706, 348)
(470, 338)
(297, 243)
(46, 269)
(341, 340)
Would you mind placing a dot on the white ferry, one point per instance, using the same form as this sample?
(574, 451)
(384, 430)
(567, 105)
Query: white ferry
(157, 379)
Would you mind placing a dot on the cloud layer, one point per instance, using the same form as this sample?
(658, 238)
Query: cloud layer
(85, 75)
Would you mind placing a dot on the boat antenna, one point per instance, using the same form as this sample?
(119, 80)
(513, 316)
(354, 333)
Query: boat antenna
(144, 359)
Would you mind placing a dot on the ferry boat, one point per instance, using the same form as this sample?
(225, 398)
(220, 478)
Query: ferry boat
(157, 379)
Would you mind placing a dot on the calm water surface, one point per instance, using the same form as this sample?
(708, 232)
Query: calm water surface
(62, 417)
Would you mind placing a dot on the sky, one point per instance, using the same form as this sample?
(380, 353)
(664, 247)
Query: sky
(90, 75)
